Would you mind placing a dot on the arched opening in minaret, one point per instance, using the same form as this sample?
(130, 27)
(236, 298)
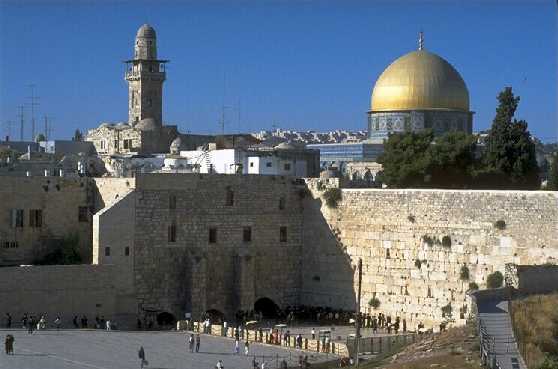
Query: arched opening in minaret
(165, 319)
(267, 307)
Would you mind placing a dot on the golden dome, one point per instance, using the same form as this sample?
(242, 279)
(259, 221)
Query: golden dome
(420, 80)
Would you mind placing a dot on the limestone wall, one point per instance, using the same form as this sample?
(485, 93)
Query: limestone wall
(67, 291)
(108, 190)
(59, 200)
(415, 244)
(195, 275)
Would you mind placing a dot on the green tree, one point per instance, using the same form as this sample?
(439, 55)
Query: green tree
(40, 137)
(406, 159)
(509, 160)
(552, 183)
(453, 158)
(78, 136)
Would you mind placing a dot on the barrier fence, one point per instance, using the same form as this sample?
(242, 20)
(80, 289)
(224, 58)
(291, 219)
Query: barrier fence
(380, 345)
(264, 336)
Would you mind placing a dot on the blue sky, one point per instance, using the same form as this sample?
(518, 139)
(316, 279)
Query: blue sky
(292, 64)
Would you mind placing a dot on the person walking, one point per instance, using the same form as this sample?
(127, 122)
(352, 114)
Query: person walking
(9, 344)
(191, 342)
(236, 346)
(75, 322)
(198, 342)
(57, 323)
(219, 365)
(246, 348)
(141, 355)
(30, 325)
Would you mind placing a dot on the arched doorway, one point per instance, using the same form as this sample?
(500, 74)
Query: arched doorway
(267, 308)
(165, 318)
(215, 316)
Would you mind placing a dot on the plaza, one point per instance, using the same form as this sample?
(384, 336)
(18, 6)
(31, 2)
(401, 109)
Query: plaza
(82, 349)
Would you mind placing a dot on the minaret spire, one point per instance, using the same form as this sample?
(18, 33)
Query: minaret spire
(421, 40)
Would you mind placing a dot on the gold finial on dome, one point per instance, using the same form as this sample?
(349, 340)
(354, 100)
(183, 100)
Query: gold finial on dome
(421, 40)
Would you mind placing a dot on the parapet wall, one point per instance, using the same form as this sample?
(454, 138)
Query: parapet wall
(418, 246)
(66, 291)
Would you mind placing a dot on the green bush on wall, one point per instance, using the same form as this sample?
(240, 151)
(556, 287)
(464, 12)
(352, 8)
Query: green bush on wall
(495, 280)
(332, 196)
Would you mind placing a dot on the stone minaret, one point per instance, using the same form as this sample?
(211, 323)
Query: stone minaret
(145, 75)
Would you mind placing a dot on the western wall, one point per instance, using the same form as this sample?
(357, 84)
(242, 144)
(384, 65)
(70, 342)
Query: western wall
(415, 243)
(274, 238)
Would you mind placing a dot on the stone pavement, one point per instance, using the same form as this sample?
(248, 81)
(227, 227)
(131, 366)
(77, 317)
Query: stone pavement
(95, 349)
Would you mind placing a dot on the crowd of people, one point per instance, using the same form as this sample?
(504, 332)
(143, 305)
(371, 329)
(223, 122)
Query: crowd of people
(32, 323)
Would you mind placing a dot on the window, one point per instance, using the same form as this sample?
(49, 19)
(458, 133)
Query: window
(10, 245)
(247, 234)
(268, 165)
(35, 218)
(83, 214)
(281, 203)
(251, 164)
(116, 144)
(212, 235)
(127, 251)
(287, 166)
(283, 234)
(107, 251)
(172, 233)
(127, 144)
(172, 201)
(102, 144)
(17, 218)
(229, 201)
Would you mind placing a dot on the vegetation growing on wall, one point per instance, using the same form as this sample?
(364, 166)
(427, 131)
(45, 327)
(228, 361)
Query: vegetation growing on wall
(64, 252)
(473, 286)
(464, 273)
(446, 241)
(495, 280)
(374, 302)
(446, 311)
(500, 224)
(332, 196)
(418, 263)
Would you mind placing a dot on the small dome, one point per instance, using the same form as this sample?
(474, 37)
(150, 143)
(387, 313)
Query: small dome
(420, 80)
(146, 31)
(147, 124)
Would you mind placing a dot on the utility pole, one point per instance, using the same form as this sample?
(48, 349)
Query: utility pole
(33, 103)
(357, 338)
(8, 129)
(20, 115)
(46, 128)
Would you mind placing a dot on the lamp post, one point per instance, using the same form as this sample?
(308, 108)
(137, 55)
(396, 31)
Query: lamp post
(357, 320)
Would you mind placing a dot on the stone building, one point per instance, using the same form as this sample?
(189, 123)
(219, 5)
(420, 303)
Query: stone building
(419, 90)
(144, 132)
(38, 213)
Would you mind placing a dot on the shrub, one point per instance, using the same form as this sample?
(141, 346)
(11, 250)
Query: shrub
(320, 186)
(332, 196)
(374, 303)
(495, 280)
(411, 218)
(428, 240)
(464, 274)
(418, 263)
(473, 286)
(63, 252)
(446, 241)
(446, 311)
(500, 224)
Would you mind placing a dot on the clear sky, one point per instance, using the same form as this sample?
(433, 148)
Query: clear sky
(292, 64)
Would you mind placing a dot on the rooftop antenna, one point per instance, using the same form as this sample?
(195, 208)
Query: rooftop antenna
(8, 128)
(421, 40)
(33, 103)
(46, 128)
(21, 122)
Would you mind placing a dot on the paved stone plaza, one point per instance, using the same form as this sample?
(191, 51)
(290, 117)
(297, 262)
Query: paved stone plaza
(83, 349)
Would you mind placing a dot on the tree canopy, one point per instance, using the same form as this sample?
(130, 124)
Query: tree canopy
(508, 161)
(552, 183)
